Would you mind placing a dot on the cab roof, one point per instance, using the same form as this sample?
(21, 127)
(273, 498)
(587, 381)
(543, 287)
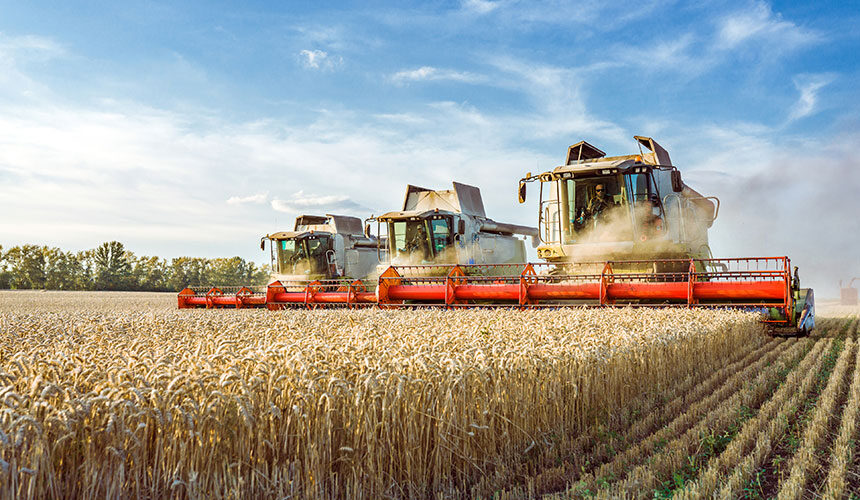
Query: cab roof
(421, 214)
(322, 224)
(596, 166)
(584, 158)
(288, 235)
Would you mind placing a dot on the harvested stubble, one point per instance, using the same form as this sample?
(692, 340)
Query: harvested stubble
(753, 442)
(320, 404)
(843, 448)
(686, 417)
(805, 459)
(643, 479)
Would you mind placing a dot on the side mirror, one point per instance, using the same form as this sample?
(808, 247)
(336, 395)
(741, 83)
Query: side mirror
(522, 192)
(461, 227)
(677, 183)
(263, 243)
(367, 230)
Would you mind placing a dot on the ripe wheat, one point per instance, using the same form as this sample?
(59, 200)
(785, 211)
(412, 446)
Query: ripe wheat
(324, 404)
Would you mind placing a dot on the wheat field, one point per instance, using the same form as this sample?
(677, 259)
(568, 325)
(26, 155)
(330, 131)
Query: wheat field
(120, 395)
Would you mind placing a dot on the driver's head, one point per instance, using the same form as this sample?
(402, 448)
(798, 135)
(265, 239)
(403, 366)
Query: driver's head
(600, 190)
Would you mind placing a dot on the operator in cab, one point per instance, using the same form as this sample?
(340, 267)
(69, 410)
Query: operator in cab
(597, 206)
(418, 243)
(598, 203)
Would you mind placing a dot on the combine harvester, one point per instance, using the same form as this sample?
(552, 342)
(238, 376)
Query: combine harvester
(449, 227)
(329, 249)
(322, 248)
(615, 231)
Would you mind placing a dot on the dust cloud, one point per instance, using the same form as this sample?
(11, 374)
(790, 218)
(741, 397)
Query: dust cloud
(609, 234)
(803, 203)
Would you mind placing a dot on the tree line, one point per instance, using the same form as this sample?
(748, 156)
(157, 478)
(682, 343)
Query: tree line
(111, 267)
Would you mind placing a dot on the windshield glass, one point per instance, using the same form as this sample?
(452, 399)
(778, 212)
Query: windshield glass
(440, 232)
(304, 255)
(419, 241)
(597, 209)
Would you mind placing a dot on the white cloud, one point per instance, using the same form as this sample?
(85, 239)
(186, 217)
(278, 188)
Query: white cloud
(808, 85)
(17, 52)
(681, 55)
(429, 73)
(758, 22)
(319, 59)
(242, 200)
(559, 105)
(29, 46)
(480, 6)
(300, 203)
(404, 118)
(754, 31)
(158, 180)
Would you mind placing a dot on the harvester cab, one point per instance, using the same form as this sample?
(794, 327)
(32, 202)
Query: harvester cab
(636, 206)
(322, 247)
(450, 227)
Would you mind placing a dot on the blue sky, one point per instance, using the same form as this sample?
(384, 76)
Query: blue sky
(194, 128)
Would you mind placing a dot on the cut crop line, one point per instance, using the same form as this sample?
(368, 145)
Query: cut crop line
(687, 395)
(759, 432)
(751, 393)
(682, 422)
(843, 447)
(805, 460)
(771, 437)
(601, 443)
(817, 479)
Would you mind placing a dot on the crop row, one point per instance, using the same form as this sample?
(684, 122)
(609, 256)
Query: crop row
(795, 398)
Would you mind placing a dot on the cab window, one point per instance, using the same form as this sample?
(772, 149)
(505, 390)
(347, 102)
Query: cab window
(441, 234)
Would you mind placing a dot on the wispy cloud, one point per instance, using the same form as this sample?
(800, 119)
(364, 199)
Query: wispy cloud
(754, 30)
(808, 85)
(404, 118)
(29, 46)
(18, 52)
(319, 59)
(300, 203)
(252, 199)
(758, 22)
(480, 6)
(681, 55)
(559, 105)
(429, 73)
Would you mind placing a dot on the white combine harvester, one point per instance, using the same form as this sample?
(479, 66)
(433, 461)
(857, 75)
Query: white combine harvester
(322, 248)
(449, 227)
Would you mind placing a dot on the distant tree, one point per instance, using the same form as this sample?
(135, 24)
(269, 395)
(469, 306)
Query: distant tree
(5, 275)
(150, 274)
(189, 271)
(26, 267)
(65, 271)
(261, 274)
(112, 267)
(86, 278)
(233, 271)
